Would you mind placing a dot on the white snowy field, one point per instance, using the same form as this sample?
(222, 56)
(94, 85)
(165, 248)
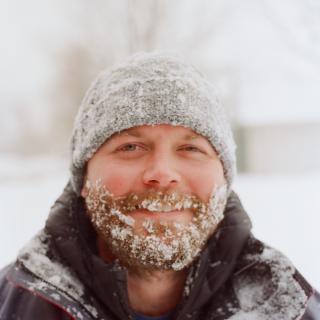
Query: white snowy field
(285, 210)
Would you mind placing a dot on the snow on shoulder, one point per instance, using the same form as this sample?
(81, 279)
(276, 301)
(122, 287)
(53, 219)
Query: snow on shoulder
(269, 290)
(53, 279)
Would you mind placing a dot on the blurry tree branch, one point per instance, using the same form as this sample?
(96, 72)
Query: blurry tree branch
(300, 30)
(108, 31)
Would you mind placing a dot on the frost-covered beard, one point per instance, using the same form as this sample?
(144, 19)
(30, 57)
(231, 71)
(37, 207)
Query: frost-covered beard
(154, 244)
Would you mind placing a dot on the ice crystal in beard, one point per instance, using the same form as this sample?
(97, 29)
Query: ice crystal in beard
(154, 244)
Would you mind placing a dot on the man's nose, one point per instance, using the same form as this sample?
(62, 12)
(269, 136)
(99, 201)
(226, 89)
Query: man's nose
(161, 172)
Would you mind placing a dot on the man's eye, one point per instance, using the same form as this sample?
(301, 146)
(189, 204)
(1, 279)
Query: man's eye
(191, 148)
(128, 147)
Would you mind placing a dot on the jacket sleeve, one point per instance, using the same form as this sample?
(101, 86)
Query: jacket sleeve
(19, 303)
(313, 308)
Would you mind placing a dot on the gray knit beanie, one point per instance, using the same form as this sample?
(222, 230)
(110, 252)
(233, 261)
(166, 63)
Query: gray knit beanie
(149, 88)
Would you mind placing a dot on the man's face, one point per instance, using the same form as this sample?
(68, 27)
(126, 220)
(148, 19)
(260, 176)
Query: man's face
(148, 191)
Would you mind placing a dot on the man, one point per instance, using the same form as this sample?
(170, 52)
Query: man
(149, 227)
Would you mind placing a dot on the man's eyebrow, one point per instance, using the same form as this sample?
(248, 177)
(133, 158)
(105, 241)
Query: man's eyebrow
(192, 136)
(129, 133)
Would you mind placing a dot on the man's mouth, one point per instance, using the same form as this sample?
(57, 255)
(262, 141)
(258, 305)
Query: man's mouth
(156, 206)
(155, 213)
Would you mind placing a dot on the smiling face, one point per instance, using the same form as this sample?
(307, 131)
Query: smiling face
(150, 194)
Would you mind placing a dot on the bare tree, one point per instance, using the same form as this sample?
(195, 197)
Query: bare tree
(110, 30)
(298, 27)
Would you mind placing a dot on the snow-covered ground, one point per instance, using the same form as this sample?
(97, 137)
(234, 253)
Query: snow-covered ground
(285, 209)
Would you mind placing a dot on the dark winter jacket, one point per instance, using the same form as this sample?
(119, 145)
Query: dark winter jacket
(59, 275)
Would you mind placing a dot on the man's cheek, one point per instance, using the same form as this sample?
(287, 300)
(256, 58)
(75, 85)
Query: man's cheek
(116, 184)
(202, 188)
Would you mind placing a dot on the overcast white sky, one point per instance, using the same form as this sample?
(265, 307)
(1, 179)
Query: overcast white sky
(273, 48)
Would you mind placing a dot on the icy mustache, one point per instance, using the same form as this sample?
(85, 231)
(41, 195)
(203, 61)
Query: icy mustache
(151, 200)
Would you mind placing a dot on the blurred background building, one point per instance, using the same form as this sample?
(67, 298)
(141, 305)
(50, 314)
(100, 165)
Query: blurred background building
(263, 57)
